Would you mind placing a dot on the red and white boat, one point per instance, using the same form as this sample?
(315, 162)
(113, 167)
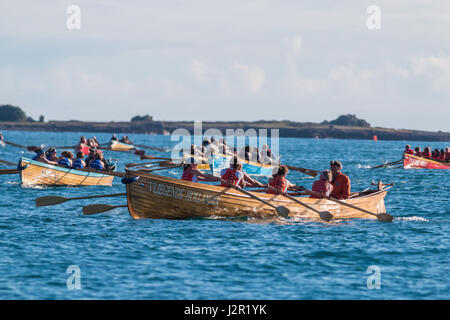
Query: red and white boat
(414, 162)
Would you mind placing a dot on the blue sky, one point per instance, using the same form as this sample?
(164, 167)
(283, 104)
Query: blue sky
(229, 60)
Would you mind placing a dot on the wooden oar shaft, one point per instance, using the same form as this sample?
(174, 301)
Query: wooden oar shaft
(14, 144)
(8, 163)
(249, 194)
(155, 158)
(9, 171)
(309, 172)
(388, 164)
(98, 196)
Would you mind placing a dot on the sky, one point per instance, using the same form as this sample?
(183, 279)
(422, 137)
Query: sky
(229, 60)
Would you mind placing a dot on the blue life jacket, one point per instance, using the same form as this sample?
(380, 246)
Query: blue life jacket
(96, 164)
(35, 158)
(77, 164)
(64, 162)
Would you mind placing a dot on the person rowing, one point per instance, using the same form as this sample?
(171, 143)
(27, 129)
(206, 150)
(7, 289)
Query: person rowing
(52, 155)
(79, 163)
(279, 183)
(408, 150)
(114, 137)
(191, 172)
(65, 160)
(235, 176)
(417, 152)
(340, 182)
(40, 157)
(90, 157)
(426, 153)
(97, 163)
(323, 185)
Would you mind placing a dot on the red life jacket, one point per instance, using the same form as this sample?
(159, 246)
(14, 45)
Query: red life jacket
(426, 154)
(321, 186)
(230, 177)
(409, 151)
(187, 174)
(279, 183)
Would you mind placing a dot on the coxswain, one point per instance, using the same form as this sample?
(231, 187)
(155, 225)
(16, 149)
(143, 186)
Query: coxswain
(191, 172)
(40, 157)
(323, 185)
(408, 150)
(279, 183)
(64, 160)
(79, 163)
(340, 182)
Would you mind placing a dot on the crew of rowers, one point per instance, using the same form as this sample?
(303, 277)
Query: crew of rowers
(247, 153)
(332, 183)
(91, 142)
(124, 139)
(94, 160)
(438, 155)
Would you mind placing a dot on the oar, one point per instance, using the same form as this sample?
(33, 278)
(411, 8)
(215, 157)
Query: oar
(14, 144)
(99, 208)
(9, 171)
(111, 173)
(385, 217)
(157, 169)
(324, 215)
(8, 163)
(154, 158)
(53, 200)
(309, 172)
(388, 164)
(159, 163)
(281, 210)
(151, 148)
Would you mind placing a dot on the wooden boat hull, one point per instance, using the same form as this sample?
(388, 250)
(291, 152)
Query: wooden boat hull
(414, 162)
(157, 197)
(42, 174)
(120, 146)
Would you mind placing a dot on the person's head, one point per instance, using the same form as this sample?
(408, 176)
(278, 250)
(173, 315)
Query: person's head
(97, 156)
(40, 153)
(69, 154)
(235, 164)
(326, 175)
(282, 171)
(335, 166)
(407, 147)
(447, 149)
(52, 152)
(80, 154)
(64, 154)
(427, 149)
(417, 149)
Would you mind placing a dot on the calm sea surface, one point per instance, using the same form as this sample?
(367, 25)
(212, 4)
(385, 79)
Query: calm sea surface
(122, 258)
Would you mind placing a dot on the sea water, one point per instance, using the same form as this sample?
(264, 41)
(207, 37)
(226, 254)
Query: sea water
(56, 252)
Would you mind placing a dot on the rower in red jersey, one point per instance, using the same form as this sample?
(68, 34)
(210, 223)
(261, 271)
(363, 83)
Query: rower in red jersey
(323, 185)
(191, 173)
(408, 150)
(279, 183)
(426, 153)
(236, 177)
(340, 182)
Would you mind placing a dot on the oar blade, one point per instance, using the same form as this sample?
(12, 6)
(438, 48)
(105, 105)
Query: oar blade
(97, 208)
(49, 201)
(325, 215)
(283, 211)
(385, 217)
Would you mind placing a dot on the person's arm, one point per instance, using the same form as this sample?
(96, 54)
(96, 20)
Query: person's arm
(205, 177)
(252, 182)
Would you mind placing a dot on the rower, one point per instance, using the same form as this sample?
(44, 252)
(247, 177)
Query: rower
(417, 151)
(1, 136)
(447, 154)
(279, 182)
(52, 155)
(340, 182)
(114, 137)
(408, 150)
(79, 163)
(442, 155)
(235, 176)
(323, 185)
(64, 160)
(191, 172)
(97, 164)
(40, 157)
(426, 153)
(91, 156)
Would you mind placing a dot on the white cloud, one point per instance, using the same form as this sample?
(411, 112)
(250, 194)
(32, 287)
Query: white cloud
(200, 70)
(435, 69)
(253, 77)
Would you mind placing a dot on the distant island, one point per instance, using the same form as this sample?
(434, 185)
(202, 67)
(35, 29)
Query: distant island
(344, 127)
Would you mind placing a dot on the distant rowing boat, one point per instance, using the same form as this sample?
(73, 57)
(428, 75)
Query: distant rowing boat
(42, 174)
(120, 146)
(158, 197)
(414, 162)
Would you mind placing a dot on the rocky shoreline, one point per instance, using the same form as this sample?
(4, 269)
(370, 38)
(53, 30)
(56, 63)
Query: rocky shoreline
(286, 129)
